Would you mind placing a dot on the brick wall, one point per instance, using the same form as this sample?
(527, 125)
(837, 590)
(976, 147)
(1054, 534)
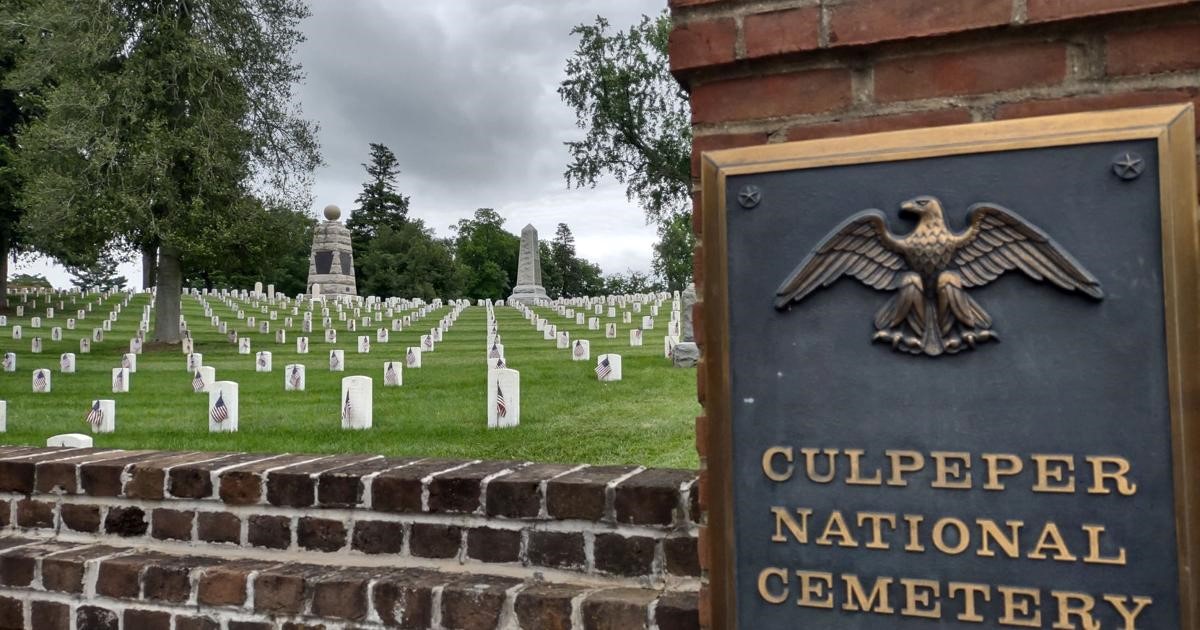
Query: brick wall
(258, 541)
(781, 70)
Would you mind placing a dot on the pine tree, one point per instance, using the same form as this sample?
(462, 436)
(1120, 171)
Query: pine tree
(379, 205)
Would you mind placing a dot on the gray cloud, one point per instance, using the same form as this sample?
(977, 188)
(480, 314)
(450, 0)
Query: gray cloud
(463, 91)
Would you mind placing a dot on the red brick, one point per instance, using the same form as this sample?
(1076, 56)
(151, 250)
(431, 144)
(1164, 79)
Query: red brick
(296, 486)
(125, 521)
(782, 32)
(320, 534)
(518, 494)
(281, 590)
(876, 124)
(581, 494)
(677, 4)
(681, 556)
(755, 97)
(1045, 10)
(400, 490)
(243, 484)
(341, 595)
(12, 614)
(404, 598)
(169, 524)
(192, 479)
(170, 580)
(147, 619)
(716, 142)
(651, 497)
(545, 606)
(343, 487)
(196, 623)
(49, 616)
(81, 518)
(378, 537)
(556, 549)
(629, 556)
(218, 527)
(702, 43)
(225, 584)
(273, 532)
(32, 513)
(460, 491)
(677, 610)
(616, 609)
(493, 545)
(870, 21)
(975, 71)
(147, 478)
(429, 540)
(1161, 49)
(474, 602)
(96, 618)
(1094, 102)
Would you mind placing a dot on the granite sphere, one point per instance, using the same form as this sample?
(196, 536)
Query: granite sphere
(332, 212)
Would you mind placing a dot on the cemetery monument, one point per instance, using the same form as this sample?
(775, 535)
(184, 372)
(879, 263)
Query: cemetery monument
(529, 289)
(331, 265)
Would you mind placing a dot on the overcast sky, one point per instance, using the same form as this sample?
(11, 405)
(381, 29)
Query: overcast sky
(464, 93)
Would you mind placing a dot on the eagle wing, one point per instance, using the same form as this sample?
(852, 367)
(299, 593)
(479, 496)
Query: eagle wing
(861, 247)
(999, 239)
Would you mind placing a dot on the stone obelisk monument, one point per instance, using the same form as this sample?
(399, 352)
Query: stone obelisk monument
(331, 265)
(529, 287)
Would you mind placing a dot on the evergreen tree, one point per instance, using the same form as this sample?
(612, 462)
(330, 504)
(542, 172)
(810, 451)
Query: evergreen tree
(673, 252)
(379, 205)
(100, 275)
(488, 255)
(163, 118)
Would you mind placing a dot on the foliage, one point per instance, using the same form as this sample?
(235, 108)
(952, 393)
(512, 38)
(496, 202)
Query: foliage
(100, 275)
(407, 261)
(673, 252)
(635, 115)
(163, 118)
(631, 282)
(272, 246)
(379, 205)
(488, 255)
(29, 281)
(11, 117)
(563, 273)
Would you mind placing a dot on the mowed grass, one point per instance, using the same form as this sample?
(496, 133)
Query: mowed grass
(567, 416)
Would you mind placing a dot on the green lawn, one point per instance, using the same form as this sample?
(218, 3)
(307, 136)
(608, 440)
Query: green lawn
(441, 410)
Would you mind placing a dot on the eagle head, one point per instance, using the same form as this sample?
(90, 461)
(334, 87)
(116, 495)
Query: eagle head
(923, 206)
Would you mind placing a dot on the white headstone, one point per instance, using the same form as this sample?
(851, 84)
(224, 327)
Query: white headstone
(135, 345)
(56, 334)
(610, 330)
(608, 368)
(364, 344)
(281, 336)
(504, 398)
(70, 440)
(337, 361)
(35, 322)
(16, 331)
(293, 377)
(426, 343)
(262, 362)
(412, 358)
(381, 335)
(593, 323)
(223, 407)
(129, 360)
(244, 345)
(301, 345)
(102, 416)
(635, 338)
(207, 375)
(85, 345)
(35, 345)
(41, 381)
(66, 363)
(3, 416)
(194, 361)
(564, 340)
(393, 374)
(120, 380)
(330, 335)
(581, 350)
(356, 402)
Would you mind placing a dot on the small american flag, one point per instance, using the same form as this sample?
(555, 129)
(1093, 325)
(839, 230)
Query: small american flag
(501, 404)
(333, 360)
(494, 353)
(500, 363)
(125, 362)
(262, 360)
(220, 412)
(347, 409)
(95, 416)
(64, 361)
(603, 368)
(303, 344)
(411, 358)
(119, 381)
(428, 342)
(578, 349)
(9, 360)
(197, 382)
(39, 381)
(390, 377)
(637, 333)
(294, 379)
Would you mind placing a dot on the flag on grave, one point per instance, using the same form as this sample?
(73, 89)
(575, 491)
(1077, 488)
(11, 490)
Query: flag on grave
(119, 381)
(347, 409)
(411, 358)
(501, 404)
(125, 362)
(197, 382)
(603, 368)
(39, 381)
(333, 360)
(578, 349)
(262, 360)
(494, 353)
(500, 363)
(64, 362)
(295, 377)
(95, 416)
(390, 377)
(220, 412)
(10, 361)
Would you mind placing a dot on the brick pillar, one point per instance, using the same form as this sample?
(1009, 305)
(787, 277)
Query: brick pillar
(781, 70)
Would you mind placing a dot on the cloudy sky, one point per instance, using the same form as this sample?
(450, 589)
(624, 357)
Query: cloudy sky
(464, 93)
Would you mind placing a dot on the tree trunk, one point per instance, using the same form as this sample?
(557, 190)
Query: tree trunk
(149, 266)
(166, 301)
(3, 273)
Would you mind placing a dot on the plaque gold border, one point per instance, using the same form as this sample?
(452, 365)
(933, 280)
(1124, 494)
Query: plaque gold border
(1174, 129)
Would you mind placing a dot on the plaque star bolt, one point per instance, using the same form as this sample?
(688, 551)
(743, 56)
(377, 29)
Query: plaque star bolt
(749, 196)
(1128, 166)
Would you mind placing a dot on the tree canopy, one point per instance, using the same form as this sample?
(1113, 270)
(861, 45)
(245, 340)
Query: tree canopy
(163, 123)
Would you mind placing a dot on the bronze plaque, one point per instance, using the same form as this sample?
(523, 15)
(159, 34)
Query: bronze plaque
(953, 376)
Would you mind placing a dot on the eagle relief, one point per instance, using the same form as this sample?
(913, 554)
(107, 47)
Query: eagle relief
(930, 270)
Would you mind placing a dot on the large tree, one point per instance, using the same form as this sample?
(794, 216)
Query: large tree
(378, 207)
(635, 115)
(12, 115)
(409, 262)
(100, 275)
(672, 260)
(164, 118)
(488, 254)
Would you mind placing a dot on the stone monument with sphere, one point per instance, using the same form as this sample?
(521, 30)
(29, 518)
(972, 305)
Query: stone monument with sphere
(529, 289)
(331, 265)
